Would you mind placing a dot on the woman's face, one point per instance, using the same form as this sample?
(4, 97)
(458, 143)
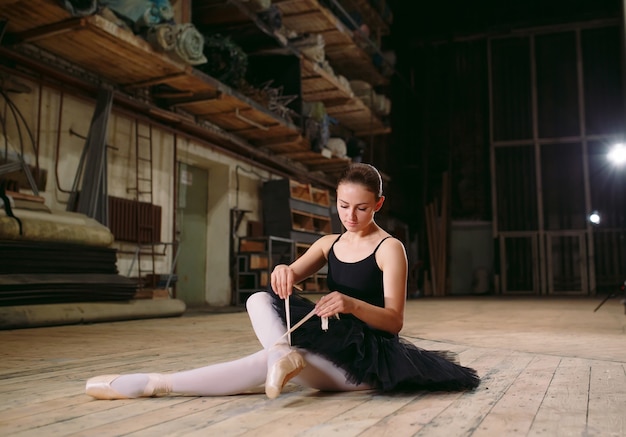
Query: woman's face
(356, 206)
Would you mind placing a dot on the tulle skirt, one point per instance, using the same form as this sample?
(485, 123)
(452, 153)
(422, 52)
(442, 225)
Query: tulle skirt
(381, 360)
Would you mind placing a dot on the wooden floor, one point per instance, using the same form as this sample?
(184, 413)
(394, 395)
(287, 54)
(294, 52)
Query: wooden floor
(549, 367)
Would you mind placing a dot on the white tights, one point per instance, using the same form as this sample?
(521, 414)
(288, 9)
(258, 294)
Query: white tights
(238, 376)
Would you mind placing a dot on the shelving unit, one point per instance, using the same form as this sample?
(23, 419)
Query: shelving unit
(316, 283)
(344, 54)
(296, 211)
(135, 68)
(130, 63)
(318, 85)
(256, 258)
(301, 213)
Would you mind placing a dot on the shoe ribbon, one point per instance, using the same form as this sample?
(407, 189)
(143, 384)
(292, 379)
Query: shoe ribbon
(290, 328)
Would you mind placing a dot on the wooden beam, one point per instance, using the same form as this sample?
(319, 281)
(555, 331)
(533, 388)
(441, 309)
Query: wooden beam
(50, 30)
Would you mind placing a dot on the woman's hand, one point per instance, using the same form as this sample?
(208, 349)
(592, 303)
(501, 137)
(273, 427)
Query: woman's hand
(334, 303)
(282, 280)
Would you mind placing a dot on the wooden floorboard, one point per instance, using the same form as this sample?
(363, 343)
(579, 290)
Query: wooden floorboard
(549, 367)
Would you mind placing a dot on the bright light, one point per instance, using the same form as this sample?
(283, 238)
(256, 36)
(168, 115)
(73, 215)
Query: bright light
(594, 218)
(617, 155)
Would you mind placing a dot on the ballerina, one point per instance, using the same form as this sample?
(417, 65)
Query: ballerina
(364, 313)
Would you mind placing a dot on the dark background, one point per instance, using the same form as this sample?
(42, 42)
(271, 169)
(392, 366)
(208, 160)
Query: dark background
(440, 114)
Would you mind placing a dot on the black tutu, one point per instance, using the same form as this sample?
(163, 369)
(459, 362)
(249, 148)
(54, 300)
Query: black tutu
(377, 358)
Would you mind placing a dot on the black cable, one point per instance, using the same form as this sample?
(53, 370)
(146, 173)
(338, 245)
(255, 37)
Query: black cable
(17, 115)
(17, 123)
(7, 205)
(5, 135)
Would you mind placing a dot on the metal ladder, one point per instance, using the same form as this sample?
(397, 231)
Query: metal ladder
(146, 240)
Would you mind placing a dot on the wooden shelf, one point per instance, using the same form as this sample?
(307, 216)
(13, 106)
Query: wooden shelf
(318, 85)
(256, 258)
(291, 211)
(316, 283)
(340, 103)
(346, 57)
(128, 61)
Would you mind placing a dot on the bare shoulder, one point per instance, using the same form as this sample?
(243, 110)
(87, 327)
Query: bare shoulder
(391, 249)
(324, 243)
(393, 244)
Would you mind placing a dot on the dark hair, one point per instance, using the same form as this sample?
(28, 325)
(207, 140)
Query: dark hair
(363, 174)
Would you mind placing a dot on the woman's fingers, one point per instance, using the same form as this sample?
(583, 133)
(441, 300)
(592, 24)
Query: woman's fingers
(282, 281)
(327, 306)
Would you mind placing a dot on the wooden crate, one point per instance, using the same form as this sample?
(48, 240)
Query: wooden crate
(300, 191)
(302, 221)
(264, 279)
(321, 197)
(322, 224)
(259, 261)
(248, 245)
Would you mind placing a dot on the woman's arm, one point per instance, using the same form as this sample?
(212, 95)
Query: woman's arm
(285, 276)
(391, 258)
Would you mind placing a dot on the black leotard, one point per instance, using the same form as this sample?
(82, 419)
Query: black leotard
(361, 279)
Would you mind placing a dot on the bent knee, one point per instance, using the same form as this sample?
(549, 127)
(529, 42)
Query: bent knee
(260, 298)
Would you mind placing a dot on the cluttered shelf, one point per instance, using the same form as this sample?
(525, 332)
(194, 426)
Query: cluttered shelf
(107, 50)
(340, 102)
(309, 31)
(342, 51)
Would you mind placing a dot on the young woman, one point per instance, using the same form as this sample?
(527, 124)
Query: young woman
(359, 348)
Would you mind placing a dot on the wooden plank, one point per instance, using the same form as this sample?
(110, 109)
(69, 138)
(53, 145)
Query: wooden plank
(112, 52)
(155, 415)
(345, 56)
(314, 21)
(26, 15)
(317, 415)
(433, 246)
(444, 223)
(607, 399)
(220, 420)
(470, 410)
(339, 101)
(332, 165)
(354, 63)
(288, 140)
(337, 38)
(87, 414)
(425, 407)
(291, 7)
(564, 408)
(515, 412)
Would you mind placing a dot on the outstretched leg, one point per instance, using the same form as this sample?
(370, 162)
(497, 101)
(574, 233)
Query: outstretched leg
(232, 377)
(214, 380)
(229, 378)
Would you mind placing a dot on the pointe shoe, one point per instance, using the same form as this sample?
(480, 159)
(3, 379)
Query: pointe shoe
(281, 372)
(99, 387)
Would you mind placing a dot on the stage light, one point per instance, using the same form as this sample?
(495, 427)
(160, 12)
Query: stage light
(617, 154)
(594, 218)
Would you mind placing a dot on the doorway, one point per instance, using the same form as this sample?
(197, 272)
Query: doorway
(191, 220)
